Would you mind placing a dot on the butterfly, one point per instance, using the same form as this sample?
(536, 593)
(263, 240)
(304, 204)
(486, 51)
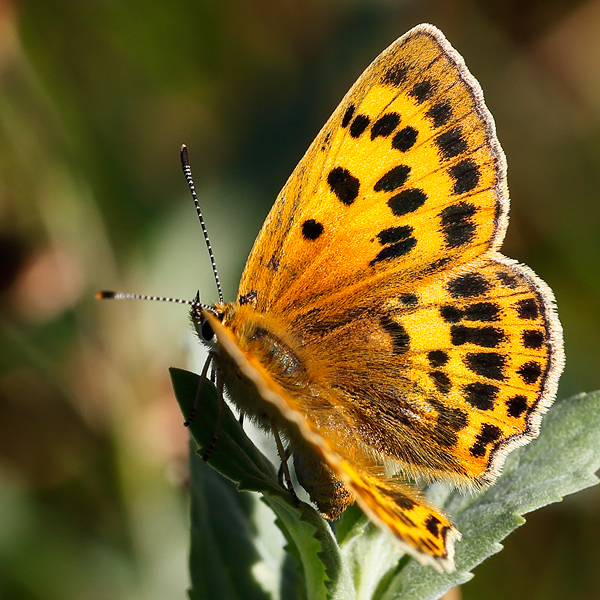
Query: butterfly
(377, 328)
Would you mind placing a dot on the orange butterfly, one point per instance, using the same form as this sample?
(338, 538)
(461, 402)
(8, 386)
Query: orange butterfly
(377, 328)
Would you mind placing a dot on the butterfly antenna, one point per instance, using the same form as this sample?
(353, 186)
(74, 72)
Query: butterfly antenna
(187, 171)
(109, 295)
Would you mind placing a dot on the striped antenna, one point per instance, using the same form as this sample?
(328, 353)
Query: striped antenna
(109, 295)
(187, 171)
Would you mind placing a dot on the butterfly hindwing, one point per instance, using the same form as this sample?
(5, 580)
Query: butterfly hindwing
(445, 379)
(487, 363)
(422, 531)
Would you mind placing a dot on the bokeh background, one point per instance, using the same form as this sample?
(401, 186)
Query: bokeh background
(95, 99)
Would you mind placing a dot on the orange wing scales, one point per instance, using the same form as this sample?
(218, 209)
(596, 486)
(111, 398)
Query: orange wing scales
(377, 326)
(459, 370)
(423, 531)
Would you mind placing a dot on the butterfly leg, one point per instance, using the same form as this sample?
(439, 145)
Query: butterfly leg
(210, 448)
(201, 383)
(283, 455)
(280, 472)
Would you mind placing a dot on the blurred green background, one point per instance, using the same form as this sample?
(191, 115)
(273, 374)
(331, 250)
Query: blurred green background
(95, 99)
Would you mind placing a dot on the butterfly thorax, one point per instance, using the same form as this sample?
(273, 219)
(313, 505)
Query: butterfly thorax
(265, 341)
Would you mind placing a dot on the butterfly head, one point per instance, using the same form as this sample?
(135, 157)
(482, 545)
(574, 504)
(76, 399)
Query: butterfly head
(198, 314)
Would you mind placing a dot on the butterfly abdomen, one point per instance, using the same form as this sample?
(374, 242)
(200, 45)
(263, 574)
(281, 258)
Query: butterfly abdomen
(325, 489)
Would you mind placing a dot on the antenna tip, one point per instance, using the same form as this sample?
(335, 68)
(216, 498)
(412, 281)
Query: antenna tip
(105, 295)
(183, 156)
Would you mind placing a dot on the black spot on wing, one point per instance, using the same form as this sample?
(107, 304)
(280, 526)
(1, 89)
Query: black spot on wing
(407, 201)
(533, 338)
(405, 139)
(311, 229)
(441, 381)
(399, 335)
(527, 309)
(457, 224)
(348, 115)
(395, 75)
(481, 395)
(247, 298)
(510, 281)
(433, 525)
(487, 364)
(437, 358)
(468, 286)
(488, 435)
(395, 250)
(530, 372)
(451, 143)
(516, 406)
(466, 176)
(360, 123)
(482, 311)
(343, 184)
(439, 113)
(393, 179)
(408, 299)
(394, 234)
(422, 90)
(406, 242)
(487, 337)
(451, 314)
(385, 125)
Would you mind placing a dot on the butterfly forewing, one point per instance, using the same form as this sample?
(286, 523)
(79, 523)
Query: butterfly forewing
(406, 176)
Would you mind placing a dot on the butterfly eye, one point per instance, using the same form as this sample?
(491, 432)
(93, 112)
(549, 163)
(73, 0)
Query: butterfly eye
(206, 331)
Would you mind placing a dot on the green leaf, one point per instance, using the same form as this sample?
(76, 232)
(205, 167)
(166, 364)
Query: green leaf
(224, 550)
(309, 538)
(365, 563)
